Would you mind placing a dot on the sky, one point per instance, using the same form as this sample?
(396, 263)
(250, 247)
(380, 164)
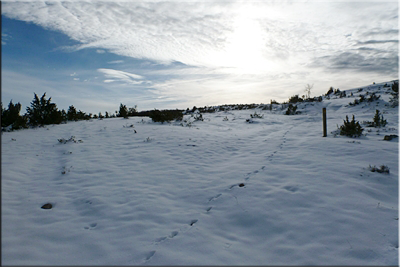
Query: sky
(179, 54)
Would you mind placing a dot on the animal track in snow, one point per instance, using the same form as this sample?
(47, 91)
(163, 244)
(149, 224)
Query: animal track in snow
(173, 234)
(291, 188)
(150, 254)
(214, 197)
(91, 226)
(160, 239)
(240, 185)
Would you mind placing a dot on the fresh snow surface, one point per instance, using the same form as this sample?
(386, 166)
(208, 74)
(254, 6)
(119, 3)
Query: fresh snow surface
(170, 195)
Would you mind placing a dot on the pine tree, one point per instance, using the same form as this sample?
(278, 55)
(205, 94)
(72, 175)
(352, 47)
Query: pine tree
(123, 111)
(11, 116)
(71, 115)
(43, 112)
(379, 121)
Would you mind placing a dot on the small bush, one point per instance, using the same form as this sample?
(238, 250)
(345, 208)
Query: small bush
(351, 128)
(381, 169)
(379, 121)
(255, 115)
(198, 117)
(330, 91)
(148, 140)
(394, 99)
(166, 115)
(373, 97)
(337, 92)
(362, 99)
(291, 110)
(71, 139)
(295, 99)
(186, 123)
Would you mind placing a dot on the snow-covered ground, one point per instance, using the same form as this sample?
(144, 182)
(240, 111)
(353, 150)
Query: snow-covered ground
(221, 192)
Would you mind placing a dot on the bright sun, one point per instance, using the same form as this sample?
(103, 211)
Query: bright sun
(245, 48)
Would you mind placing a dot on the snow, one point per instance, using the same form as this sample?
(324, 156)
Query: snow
(170, 195)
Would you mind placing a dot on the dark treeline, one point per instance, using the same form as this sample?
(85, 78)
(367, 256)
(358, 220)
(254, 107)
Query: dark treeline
(43, 112)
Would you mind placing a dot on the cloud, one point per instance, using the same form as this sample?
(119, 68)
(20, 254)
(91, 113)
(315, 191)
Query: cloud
(378, 42)
(115, 62)
(352, 61)
(100, 51)
(121, 76)
(247, 36)
(379, 31)
(220, 51)
(4, 37)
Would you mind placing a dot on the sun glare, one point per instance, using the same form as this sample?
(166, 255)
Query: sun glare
(245, 51)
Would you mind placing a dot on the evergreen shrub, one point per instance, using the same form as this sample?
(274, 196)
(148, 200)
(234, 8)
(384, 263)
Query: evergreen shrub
(351, 128)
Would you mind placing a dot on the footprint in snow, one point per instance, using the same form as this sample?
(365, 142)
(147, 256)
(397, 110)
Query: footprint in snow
(173, 234)
(208, 209)
(160, 239)
(240, 185)
(214, 197)
(150, 254)
(91, 226)
(291, 188)
(193, 222)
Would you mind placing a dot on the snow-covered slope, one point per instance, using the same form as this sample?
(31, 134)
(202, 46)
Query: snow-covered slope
(221, 192)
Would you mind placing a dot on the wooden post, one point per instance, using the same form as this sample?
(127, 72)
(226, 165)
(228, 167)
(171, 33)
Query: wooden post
(324, 120)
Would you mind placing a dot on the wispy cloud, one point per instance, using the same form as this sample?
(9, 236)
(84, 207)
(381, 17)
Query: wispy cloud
(121, 76)
(378, 42)
(4, 38)
(115, 62)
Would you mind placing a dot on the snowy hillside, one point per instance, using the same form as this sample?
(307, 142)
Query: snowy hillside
(220, 192)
